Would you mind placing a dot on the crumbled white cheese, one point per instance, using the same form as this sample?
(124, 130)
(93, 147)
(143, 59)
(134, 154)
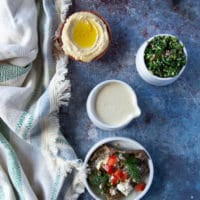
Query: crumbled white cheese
(111, 178)
(125, 187)
(121, 157)
(100, 186)
(113, 191)
(101, 162)
(134, 180)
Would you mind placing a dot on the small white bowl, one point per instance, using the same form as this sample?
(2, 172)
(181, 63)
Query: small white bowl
(127, 144)
(90, 106)
(145, 74)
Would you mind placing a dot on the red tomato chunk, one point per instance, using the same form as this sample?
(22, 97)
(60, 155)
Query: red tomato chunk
(112, 161)
(140, 187)
(108, 168)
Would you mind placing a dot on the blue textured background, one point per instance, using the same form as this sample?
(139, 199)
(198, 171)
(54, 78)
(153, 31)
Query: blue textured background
(169, 126)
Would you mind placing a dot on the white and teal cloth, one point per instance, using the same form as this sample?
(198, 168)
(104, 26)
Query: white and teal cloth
(36, 161)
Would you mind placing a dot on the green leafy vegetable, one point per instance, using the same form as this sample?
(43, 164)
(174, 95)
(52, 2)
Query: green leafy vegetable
(132, 166)
(164, 56)
(98, 179)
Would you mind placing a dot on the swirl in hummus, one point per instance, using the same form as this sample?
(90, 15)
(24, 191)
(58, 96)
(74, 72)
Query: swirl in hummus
(85, 36)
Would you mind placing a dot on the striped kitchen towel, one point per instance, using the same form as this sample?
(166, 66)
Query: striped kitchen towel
(36, 161)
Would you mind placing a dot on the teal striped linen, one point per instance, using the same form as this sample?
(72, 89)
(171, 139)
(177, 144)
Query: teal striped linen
(35, 158)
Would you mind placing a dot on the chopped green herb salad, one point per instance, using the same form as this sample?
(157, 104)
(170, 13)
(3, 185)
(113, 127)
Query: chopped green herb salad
(164, 56)
(116, 173)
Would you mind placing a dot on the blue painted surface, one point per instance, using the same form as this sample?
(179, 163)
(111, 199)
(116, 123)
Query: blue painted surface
(169, 126)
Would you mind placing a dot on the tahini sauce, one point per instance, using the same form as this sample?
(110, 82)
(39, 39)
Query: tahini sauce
(115, 104)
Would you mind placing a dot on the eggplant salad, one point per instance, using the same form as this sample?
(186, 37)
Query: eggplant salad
(115, 173)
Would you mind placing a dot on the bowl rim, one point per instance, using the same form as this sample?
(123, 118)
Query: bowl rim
(123, 139)
(145, 44)
(102, 18)
(91, 97)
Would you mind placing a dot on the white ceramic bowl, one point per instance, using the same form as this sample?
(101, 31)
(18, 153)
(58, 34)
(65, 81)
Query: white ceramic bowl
(145, 74)
(90, 106)
(123, 143)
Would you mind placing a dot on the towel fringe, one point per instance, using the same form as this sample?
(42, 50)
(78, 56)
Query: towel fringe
(60, 93)
(78, 183)
(50, 151)
(60, 86)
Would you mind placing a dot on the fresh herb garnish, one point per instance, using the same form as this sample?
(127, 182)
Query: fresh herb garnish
(164, 56)
(131, 164)
(98, 179)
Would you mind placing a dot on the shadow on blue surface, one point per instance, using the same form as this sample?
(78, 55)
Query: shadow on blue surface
(169, 126)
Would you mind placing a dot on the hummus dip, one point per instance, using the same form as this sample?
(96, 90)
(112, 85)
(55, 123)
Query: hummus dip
(85, 36)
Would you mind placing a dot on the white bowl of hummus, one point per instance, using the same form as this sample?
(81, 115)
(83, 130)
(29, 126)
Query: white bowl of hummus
(112, 105)
(119, 168)
(85, 36)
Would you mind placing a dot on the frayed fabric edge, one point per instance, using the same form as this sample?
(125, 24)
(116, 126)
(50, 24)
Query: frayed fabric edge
(50, 151)
(60, 93)
(60, 86)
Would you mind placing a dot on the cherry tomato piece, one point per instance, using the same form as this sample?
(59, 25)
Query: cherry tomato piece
(108, 168)
(122, 176)
(118, 173)
(112, 160)
(140, 187)
(114, 180)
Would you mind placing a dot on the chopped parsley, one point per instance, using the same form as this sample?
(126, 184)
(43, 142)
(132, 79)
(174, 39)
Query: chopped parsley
(164, 56)
(98, 179)
(131, 164)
